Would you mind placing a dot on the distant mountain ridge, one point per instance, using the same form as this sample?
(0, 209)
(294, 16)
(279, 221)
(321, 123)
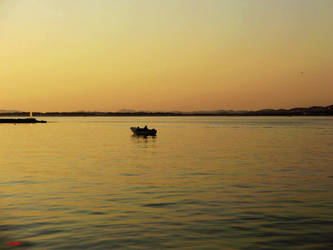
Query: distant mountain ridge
(9, 111)
(314, 110)
(300, 111)
(126, 111)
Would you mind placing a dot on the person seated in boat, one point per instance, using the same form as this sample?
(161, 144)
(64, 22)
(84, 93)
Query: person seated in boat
(145, 128)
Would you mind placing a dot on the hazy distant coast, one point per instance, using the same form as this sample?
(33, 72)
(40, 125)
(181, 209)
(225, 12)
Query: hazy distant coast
(310, 111)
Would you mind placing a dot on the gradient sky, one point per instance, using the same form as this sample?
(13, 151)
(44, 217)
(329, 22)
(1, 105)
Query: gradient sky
(68, 55)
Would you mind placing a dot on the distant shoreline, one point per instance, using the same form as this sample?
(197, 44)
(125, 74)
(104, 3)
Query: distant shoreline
(311, 111)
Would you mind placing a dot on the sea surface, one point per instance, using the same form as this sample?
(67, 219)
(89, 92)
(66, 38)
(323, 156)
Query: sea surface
(202, 182)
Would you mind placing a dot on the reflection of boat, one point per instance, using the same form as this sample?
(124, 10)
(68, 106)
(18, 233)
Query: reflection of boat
(143, 131)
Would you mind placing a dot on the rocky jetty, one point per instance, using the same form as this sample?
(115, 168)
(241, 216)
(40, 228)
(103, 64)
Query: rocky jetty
(19, 120)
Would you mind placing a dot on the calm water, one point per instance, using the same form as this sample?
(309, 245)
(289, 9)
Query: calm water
(203, 182)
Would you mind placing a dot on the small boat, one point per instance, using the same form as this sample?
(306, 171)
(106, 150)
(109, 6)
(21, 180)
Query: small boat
(143, 131)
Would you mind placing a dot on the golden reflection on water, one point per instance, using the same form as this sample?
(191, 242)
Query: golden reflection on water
(195, 183)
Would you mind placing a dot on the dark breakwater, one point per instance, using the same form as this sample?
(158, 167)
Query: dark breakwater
(19, 120)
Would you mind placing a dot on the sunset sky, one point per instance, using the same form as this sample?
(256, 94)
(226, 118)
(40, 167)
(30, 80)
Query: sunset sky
(106, 55)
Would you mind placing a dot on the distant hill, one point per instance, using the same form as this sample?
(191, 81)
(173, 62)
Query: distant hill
(314, 110)
(9, 111)
(300, 111)
(126, 111)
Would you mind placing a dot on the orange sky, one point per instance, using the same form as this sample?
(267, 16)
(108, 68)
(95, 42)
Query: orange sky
(165, 55)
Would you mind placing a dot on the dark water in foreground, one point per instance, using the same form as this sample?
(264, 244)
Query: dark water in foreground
(204, 182)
